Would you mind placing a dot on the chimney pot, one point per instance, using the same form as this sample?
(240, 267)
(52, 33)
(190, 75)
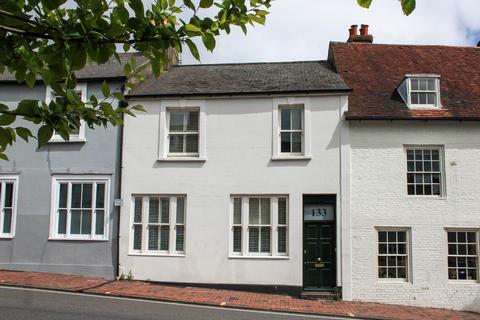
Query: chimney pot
(353, 30)
(364, 30)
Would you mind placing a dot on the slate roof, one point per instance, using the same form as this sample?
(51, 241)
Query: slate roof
(374, 71)
(243, 79)
(110, 70)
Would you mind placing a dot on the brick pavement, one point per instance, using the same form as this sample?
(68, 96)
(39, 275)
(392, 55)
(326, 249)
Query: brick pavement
(225, 298)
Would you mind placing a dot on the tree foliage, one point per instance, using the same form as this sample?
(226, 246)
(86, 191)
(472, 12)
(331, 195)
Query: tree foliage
(407, 5)
(48, 41)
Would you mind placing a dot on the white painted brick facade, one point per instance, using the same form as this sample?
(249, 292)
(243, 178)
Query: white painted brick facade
(379, 198)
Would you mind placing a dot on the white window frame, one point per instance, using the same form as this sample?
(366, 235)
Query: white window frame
(181, 105)
(408, 265)
(291, 103)
(145, 225)
(245, 227)
(441, 151)
(4, 178)
(460, 229)
(184, 133)
(56, 180)
(80, 137)
(409, 78)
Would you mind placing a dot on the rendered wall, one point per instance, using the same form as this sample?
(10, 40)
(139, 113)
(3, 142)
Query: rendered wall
(30, 249)
(238, 152)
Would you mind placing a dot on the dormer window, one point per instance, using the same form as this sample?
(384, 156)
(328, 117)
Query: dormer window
(421, 91)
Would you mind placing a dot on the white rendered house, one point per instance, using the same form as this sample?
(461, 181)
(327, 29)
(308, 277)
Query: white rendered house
(233, 177)
(414, 129)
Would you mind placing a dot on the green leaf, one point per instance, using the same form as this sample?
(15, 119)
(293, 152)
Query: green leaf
(79, 58)
(121, 13)
(7, 119)
(30, 79)
(23, 133)
(27, 108)
(44, 134)
(139, 108)
(209, 41)
(137, 7)
(189, 4)
(3, 156)
(365, 3)
(156, 67)
(408, 6)
(192, 28)
(52, 4)
(193, 49)
(105, 89)
(206, 3)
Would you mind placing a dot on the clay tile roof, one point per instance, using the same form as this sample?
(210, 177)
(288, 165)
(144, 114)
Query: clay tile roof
(243, 79)
(374, 71)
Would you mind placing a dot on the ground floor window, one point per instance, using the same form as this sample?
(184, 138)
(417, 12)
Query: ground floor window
(158, 224)
(462, 254)
(8, 196)
(80, 207)
(393, 254)
(259, 226)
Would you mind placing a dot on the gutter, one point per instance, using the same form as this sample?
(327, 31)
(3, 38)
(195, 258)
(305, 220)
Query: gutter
(407, 118)
(231, 94)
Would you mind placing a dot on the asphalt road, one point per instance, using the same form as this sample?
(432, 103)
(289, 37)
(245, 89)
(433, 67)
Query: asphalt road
(23, 304)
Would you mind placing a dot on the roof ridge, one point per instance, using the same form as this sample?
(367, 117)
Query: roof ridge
(249, 63)
(406, 45)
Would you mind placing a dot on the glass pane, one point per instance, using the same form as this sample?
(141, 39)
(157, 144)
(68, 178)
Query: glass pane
(452, 274)
(62, 199)
(414, 84)
(237, 239)
(154, 210)
(452, 262)
(237, 210)
(414, 98)
(164, 237)
(382, 248)
(391, 272)
(62, 221)
(99, 222)
(471, 237)
(297, 119)
(100, 199)
(296, 142)
(423, 84)
(462, 237)
(192, 143)
(137, 215)
(402, 273)
(76, 195)
(265, 214)
(282, 211)
(176, 121)
(9, 194)
(452, 237)
(176, 143)
(382, 261)
(153, 238)
(180, 210)
(422, 98)
(7, 220)
(382, 272)
(180, 238)
(431, 98)
(285, 119)
(254, 211)
(75, 222)
(431, 84)
(137, 237)
(253, 238)
(402, 236)
(382, 236)
(86, 221)
(192, 121)
(87, 195)
(285, 141)
(282, 239)
(452, 249)
(265, 240)
(402, 248)
(410, 155)
(165, 218)
(392, 236)
(411, 189)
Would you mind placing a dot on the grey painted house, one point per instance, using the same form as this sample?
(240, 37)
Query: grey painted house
(57, 210)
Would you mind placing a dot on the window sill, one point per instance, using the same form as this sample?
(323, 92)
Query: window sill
(69, 141)
(424, 107)
(7, 237)
(426, 197)
(77, 239)
(285, 157)
(461, 282)
(182, 159)
(151, 254)
(394, 281)
(260, 257)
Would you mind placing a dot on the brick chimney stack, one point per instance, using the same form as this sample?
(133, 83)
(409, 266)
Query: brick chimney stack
(364, 36)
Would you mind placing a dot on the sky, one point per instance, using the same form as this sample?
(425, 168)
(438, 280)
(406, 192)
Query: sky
(301, 29)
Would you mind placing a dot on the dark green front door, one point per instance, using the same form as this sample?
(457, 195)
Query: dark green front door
(319, 242)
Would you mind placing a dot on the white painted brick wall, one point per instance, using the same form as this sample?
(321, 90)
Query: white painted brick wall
(378, 198)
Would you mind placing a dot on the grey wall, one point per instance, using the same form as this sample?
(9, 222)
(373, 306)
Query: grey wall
(30, 249)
